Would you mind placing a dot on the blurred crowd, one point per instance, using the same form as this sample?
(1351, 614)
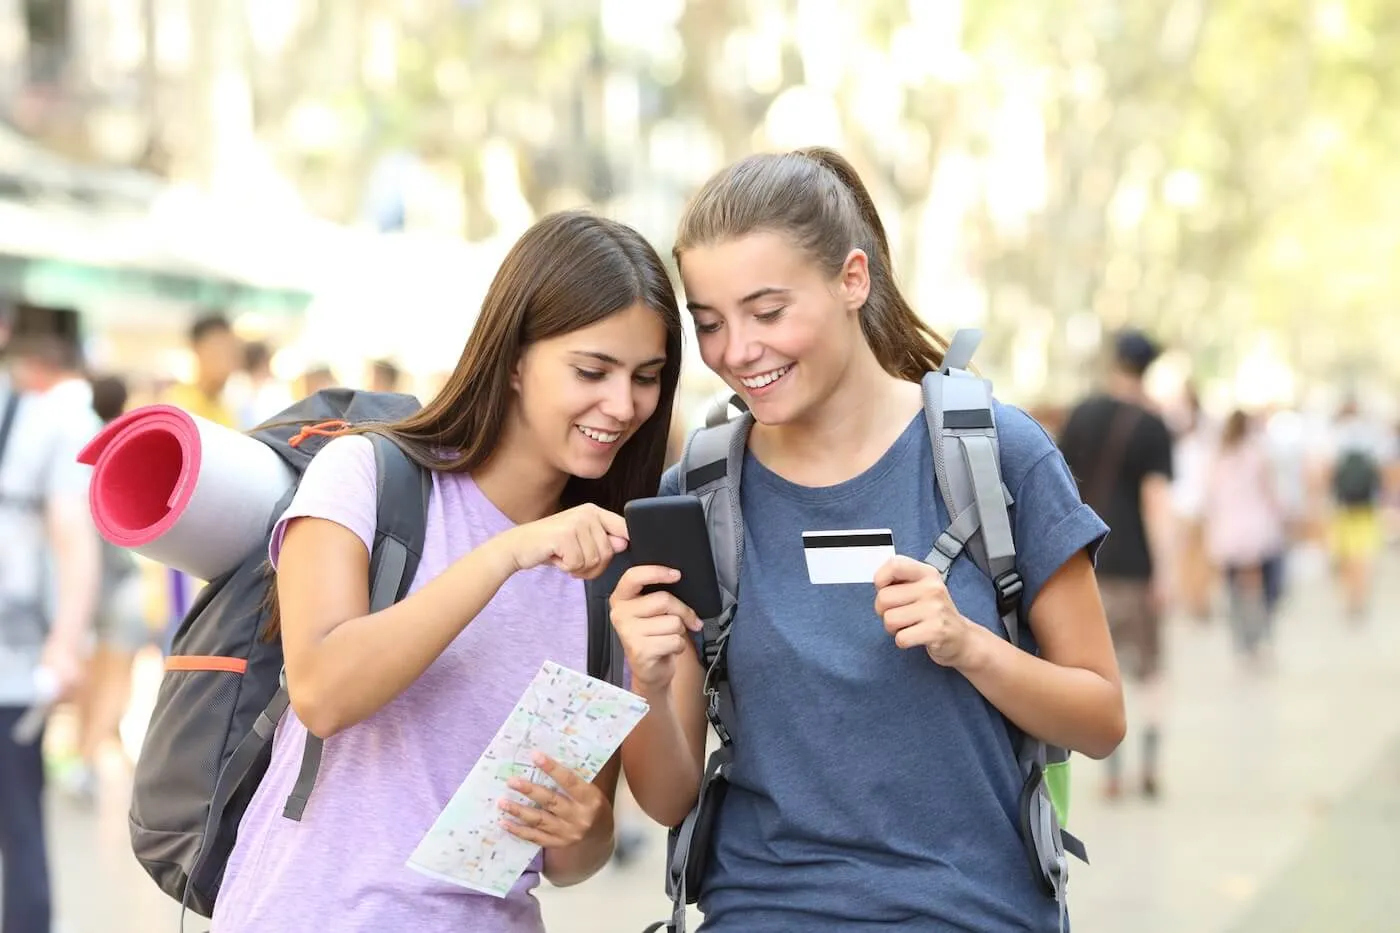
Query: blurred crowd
(138, 602)
(1218, 517)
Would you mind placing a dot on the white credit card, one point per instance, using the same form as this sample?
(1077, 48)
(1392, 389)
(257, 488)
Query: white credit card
(846, 556)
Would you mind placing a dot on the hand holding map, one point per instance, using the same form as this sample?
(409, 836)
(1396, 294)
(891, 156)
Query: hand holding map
(576, 720)
(562, 814)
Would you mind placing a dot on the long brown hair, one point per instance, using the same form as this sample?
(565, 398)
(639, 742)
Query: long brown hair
(570, 270)
(816, 198)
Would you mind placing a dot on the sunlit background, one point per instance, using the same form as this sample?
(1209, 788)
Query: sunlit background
(342, 178)
(1217, 172)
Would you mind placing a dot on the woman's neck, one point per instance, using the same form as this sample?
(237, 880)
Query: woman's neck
(845, 434)
(518, 481)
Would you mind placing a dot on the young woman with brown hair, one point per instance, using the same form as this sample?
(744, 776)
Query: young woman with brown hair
(874, 784)
(555, 416)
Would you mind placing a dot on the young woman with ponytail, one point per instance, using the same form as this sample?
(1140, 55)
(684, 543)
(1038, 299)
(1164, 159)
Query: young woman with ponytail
(874, 781)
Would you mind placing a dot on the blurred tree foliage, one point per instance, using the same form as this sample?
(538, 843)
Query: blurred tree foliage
(1208, 168)
(1217, 168)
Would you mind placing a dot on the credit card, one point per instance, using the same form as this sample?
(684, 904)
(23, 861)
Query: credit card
(846, 556)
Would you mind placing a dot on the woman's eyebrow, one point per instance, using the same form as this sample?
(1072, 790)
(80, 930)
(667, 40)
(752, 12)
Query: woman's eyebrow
(614, 361)
(767, 291)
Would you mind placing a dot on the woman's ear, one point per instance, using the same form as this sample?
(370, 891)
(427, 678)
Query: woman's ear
(855, 279)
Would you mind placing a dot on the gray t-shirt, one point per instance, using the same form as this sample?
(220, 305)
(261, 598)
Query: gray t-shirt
(872, 788)
(40, 465)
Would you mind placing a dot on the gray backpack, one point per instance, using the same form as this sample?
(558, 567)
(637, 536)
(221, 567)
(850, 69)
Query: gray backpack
(967, 461)
(209, 741)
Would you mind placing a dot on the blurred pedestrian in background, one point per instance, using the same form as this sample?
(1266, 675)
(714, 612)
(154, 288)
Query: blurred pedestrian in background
(1245, 533)
(1120, 450)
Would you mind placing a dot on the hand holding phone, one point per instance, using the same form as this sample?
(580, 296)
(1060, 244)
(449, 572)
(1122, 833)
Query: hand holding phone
(653, 626)
(650, 606)
(671, 531)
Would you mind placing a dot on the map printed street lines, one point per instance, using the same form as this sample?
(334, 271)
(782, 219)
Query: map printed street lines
(576, 720)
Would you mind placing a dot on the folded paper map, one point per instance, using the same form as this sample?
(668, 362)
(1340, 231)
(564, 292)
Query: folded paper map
(576, 720)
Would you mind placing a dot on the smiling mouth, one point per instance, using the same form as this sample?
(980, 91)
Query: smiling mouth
(765, 379)
(602, 437)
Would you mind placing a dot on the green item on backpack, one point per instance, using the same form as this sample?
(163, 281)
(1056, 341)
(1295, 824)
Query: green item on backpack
(1057, 782)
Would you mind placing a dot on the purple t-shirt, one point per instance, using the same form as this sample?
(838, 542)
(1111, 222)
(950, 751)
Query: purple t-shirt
(384, 781)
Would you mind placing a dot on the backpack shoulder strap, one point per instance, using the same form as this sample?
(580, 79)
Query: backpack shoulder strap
(967, 462)
(710, 469)
(402, 490)
(967, 466)
(605, 657)
(1098, 491)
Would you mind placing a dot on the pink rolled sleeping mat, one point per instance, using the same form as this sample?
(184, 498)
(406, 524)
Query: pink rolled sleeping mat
(183, 491)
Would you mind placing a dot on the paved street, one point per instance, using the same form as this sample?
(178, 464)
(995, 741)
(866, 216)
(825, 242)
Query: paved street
(1281, 807)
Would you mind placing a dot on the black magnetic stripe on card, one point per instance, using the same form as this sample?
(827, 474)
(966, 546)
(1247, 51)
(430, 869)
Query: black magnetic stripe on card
(866, 540)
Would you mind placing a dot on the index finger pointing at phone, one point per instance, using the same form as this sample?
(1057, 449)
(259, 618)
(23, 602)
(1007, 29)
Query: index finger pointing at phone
(635, 579)
(614, 524)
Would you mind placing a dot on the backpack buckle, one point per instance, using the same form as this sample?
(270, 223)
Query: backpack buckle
(712, 651)
(1009, 588)
(713, 648)
(949, 546)
(713, 715)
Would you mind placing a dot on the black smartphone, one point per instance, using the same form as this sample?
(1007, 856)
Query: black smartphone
(670, 531)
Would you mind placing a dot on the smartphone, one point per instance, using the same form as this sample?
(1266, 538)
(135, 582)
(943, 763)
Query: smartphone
(670, 531)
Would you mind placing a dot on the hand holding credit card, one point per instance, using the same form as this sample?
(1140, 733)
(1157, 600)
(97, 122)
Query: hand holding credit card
(846, 556)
